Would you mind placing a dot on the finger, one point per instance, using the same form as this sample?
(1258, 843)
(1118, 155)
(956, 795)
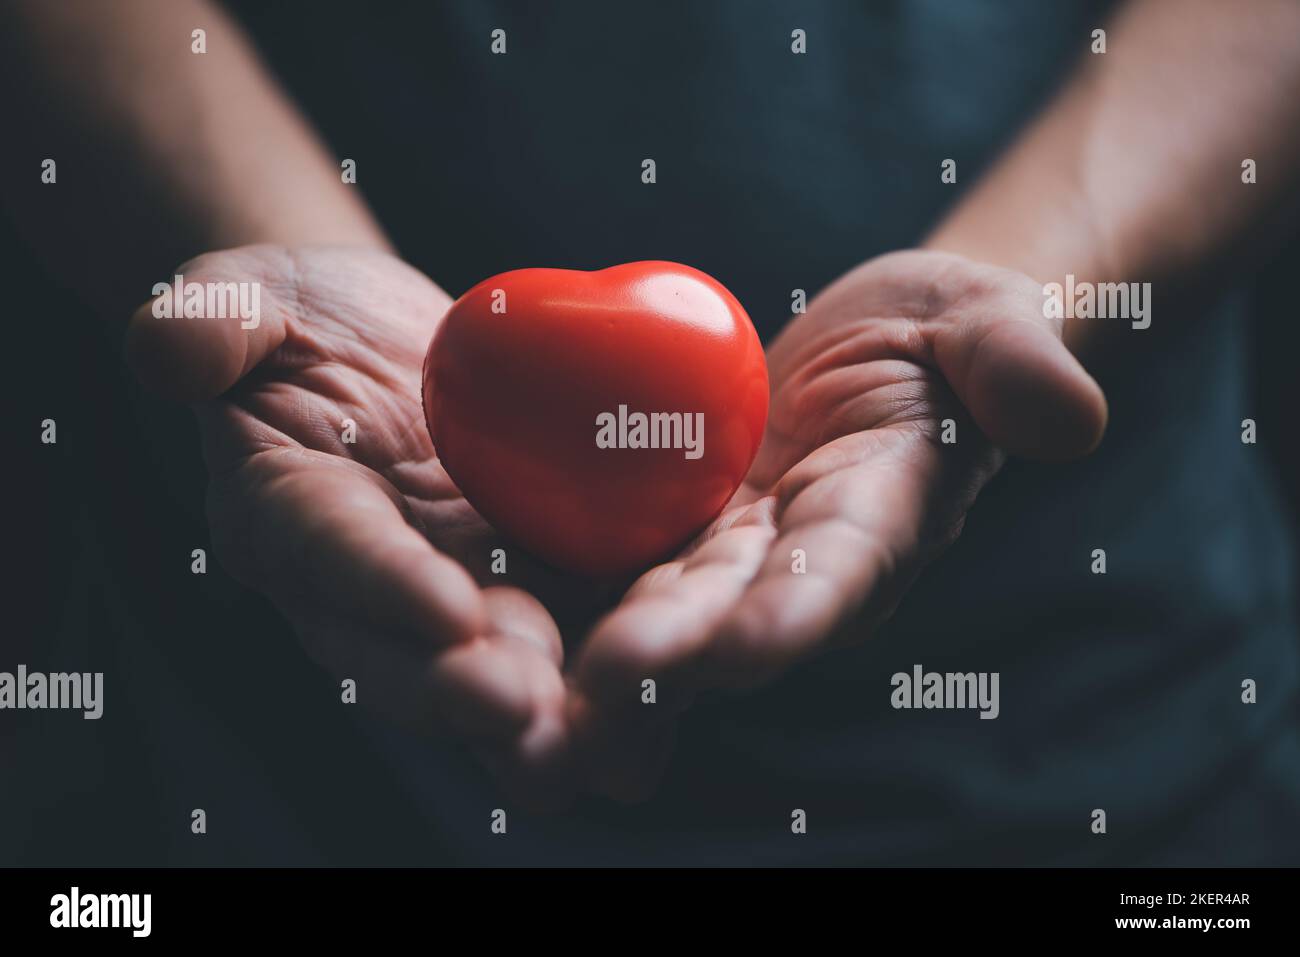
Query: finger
(1007, 364)
(666, 618)
(476, 690)
(857, 519)
(190, 359)
(500, 693)
(633, 675)
(536, 766)
(515, 615)
(315, 530)
(635, 672)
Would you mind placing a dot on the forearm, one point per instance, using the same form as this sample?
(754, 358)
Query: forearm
(162, 152)
(1134, 174)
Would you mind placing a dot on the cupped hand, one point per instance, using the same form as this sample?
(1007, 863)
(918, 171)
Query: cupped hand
(853, 492)
(326, 496)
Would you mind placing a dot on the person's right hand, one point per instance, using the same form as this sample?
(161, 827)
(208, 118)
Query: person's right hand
(366, 547)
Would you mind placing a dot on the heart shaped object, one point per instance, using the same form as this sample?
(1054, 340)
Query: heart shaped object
(599, 419)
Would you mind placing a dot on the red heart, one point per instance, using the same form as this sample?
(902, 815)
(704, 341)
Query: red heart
(532, 387)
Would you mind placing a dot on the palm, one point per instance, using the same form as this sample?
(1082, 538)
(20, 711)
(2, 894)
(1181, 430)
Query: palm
(854, 488)
(327, 496)
(346, 382)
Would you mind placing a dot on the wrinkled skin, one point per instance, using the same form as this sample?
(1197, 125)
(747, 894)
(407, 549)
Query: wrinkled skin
(382, 567)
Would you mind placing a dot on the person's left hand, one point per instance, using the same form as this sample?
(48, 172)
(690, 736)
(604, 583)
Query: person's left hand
(853, 492)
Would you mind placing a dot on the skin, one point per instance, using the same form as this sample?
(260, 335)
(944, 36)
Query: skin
(853, 472)
(367, 548)
(1131, 174)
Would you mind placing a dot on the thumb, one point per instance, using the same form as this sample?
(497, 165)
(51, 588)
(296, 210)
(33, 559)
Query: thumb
(1026, 392)
(191, 358)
